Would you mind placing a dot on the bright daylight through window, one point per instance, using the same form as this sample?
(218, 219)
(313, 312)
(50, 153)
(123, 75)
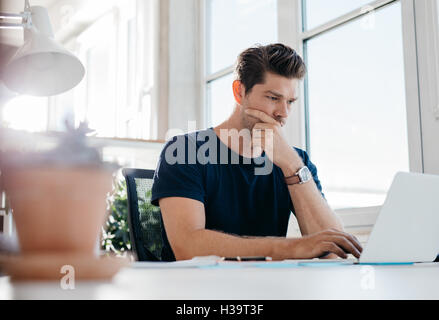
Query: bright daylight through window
(115, 95)
(356, 104)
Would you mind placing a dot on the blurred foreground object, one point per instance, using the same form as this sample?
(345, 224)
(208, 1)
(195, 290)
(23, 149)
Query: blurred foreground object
(58, 198)
(8, 244)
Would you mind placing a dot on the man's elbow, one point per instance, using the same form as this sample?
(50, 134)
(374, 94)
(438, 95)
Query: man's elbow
(182, 254)
(185, 247)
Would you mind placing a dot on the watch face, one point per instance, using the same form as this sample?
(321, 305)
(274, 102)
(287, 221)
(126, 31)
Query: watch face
(305, 175)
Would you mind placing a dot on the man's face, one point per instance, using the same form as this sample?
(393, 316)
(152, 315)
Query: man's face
(275, 97)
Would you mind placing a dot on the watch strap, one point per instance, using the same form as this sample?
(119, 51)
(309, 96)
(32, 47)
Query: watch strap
(295, 179)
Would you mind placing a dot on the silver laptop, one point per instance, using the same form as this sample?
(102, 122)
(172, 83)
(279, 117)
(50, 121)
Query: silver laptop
(407, 227)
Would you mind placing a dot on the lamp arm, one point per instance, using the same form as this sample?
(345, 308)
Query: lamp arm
(4, 15)
(25, 17)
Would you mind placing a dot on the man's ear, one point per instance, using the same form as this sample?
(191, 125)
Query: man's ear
(238, 91)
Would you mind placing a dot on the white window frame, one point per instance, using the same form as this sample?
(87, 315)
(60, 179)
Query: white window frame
(201, 74)
(424, 15)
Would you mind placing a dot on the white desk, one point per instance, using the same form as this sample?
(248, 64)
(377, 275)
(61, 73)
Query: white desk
(341, 282)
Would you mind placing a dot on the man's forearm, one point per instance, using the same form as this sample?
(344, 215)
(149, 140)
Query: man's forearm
(312, 211)
(205, 242)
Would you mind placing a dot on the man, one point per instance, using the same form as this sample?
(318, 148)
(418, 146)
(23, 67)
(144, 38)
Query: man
(219, 205)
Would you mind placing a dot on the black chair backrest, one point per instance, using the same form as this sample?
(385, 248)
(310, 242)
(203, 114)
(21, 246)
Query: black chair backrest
(144, 219)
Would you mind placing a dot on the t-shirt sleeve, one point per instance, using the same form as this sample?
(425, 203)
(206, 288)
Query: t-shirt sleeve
(307, 162)
(175, 176)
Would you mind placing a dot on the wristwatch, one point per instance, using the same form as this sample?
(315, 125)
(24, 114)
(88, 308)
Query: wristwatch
(300, 177)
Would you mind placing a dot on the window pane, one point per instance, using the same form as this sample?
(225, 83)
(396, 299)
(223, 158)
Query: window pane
(100, 90)
(221, 101)
(321, 11)
(117, 52)
(234, 25)
(26, 113)
(357, 114)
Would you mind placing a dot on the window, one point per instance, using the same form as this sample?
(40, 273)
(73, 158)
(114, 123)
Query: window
(232, 26)
(100, 99)
(221, 98)
(116, 93)
(321, 11)
(26, 113)
(356, 109)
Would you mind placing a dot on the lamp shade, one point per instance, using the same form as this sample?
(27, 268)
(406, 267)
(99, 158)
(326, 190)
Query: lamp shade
(41, 67)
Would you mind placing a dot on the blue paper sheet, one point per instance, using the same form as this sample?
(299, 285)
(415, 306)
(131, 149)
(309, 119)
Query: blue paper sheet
(325, 264)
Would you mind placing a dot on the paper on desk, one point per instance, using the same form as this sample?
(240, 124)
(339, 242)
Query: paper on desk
(192, 263)
(253, 264)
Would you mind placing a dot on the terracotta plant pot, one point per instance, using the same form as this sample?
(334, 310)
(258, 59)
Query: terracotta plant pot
(56, 209)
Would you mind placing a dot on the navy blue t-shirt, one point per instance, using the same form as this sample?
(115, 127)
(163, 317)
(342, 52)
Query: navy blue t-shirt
(241, 196)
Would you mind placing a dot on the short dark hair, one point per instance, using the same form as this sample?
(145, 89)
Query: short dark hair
(276, 58)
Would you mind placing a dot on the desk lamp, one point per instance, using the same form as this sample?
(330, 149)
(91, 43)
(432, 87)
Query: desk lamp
(40, 67)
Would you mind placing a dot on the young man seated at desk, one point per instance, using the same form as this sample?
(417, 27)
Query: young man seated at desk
(229, 190)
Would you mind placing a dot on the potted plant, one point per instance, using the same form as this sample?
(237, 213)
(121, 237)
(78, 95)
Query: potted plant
(58, 200)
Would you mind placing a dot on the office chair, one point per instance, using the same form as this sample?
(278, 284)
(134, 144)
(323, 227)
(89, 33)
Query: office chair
(144, 219)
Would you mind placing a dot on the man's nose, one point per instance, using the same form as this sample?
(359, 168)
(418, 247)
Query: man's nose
(281, 110)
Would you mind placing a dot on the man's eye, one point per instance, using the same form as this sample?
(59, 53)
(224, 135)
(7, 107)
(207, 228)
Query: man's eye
(272, 98)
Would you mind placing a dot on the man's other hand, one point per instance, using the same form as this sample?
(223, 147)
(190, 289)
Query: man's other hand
(328, 242)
